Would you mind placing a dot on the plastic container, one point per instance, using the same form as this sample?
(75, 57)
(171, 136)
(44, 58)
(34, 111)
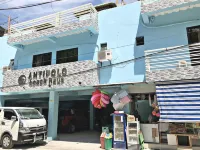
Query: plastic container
(102, 140)
(108, 144)
(105, 129)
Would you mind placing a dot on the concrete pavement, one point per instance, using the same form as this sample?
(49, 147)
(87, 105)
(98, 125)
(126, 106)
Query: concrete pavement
(59, 145)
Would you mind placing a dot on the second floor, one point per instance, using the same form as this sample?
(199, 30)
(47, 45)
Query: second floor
(124, 39)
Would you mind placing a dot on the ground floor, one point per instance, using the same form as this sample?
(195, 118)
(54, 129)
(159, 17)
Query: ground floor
(69, 110)
(63, 145)
(72, 118)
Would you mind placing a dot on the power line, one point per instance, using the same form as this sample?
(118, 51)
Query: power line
(8, 16)
(7, 21)
(52, 7)
(30, 5)
(5, 2)
(119, 63)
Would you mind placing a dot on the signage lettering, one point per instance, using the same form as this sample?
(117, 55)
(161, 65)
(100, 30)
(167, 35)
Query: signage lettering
(44, 78)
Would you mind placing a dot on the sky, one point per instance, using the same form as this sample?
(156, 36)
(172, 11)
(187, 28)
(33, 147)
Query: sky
(38, 11)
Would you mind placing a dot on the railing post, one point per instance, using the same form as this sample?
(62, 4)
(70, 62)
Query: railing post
(9, 22)
(148, 67)
(58, 19)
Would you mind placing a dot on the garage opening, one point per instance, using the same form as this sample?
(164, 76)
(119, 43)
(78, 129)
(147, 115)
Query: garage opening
(73, 116)
(74, 122)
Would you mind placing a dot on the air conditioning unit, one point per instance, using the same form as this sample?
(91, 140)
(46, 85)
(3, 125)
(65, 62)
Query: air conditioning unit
(105, 55)
(6, 68)
(182, 63)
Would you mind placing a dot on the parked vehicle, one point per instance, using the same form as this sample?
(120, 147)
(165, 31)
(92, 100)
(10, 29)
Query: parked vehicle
(19, 125)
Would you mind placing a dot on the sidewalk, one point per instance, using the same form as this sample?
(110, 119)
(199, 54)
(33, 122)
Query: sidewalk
(59, 145)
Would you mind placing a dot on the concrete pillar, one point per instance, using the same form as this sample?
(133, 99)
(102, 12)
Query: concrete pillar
(2, 101)
(91, 116)
(53, 115)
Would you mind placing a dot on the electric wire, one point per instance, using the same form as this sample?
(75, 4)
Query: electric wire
(52, 7)
(30, 5)
(5, 2)
(5, 23)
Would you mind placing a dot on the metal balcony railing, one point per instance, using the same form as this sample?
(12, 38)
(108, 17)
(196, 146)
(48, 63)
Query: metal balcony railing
(146, 2)
(80, 18)
(172, 57)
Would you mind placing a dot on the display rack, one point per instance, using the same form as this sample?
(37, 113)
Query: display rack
(133, 128)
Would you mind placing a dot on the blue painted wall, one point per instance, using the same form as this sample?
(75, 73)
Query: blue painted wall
(6, 53)
(172, 33)
(116, 27)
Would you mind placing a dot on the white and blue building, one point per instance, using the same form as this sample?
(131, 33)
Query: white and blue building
(56, 57)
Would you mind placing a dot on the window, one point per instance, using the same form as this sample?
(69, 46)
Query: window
(69, 55)
(104, 46)
(42, 60)
(29, 114)
(140, 40)
(193, 34)
(8, 114)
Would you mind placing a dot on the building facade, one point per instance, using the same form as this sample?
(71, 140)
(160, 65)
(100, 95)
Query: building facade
(56, 58)
(56, 63)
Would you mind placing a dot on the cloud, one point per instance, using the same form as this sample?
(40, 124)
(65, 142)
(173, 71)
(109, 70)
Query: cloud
(38, 11)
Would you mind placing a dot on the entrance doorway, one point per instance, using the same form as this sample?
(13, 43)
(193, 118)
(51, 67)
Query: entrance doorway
(73, 116)
(74, 122)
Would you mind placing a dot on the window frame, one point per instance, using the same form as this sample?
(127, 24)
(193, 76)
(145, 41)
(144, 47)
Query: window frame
(189, 34)
(9, 110)
(43, 62)
(104, 48)
(66, 53)
(139, 43)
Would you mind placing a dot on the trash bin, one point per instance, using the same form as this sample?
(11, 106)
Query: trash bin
(108, 144)
(108, 141)
(102, 140)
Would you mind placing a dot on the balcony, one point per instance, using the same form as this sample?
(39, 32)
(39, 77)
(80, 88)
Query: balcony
(162, 7)
(64, 23)
(59, 76)
(173, 63)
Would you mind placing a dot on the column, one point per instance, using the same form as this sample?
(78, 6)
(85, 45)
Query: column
(2, 101)
(53, 115)
(91, 116)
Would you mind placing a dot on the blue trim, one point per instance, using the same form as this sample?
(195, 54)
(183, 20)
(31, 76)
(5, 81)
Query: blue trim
(179, 109)
(180, 118)
(178, 96)
(177, 92)
(187, 87)
(178, 101)
(181, 105)
(181, 114)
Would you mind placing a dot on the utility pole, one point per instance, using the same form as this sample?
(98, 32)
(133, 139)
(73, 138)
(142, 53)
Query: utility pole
(9, 22)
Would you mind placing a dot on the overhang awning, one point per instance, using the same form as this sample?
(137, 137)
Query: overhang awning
(179, 102)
